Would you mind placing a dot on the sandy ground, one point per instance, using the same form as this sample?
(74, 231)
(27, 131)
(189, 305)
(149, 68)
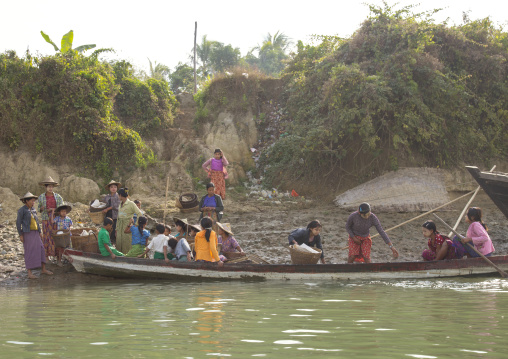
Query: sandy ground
(262, 226)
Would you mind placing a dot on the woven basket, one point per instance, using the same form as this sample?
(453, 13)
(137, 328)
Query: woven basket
(62, 240)
(232, 255)
(85, 243)
(97, 217)
(188, 210)
(300, 256)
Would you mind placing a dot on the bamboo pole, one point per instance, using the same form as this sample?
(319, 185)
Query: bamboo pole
(421, 215)
(503, 273)
(166, 201)
(467, 206)
(195, 77)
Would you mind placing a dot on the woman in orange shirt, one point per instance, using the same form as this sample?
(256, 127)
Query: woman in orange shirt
(205, 244)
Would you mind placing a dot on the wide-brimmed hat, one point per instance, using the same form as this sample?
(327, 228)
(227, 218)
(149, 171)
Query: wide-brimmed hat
(65, 206)
(28, 195)
(49, 180)
(184, 220)
(118, 184)
(226, 227)
(197, 227)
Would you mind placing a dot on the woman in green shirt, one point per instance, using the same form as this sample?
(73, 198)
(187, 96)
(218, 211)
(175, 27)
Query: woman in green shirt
(126, 211)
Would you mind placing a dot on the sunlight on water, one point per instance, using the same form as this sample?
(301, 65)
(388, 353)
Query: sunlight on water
(420, 319)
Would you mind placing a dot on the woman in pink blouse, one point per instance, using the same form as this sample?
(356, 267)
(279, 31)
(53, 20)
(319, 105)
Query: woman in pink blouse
(216, 168)
(477, 234)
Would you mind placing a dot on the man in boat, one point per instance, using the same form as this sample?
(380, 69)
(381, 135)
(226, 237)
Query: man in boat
(360, 243)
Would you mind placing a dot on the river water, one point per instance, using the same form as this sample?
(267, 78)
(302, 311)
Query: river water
(460, 318)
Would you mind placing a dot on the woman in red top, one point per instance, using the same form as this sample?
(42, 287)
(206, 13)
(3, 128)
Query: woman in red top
(47, 204)
(440, 246)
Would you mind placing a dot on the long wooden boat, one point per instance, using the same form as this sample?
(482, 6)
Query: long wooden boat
(123, 267)
(495, 184)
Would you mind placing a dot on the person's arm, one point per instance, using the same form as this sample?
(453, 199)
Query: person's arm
(385, 237)
(19, 221)
(349, 225)
(166, 259)
(213, 249)
(224, 161)
(137, 211)
(128, 228)
(441, 250)
(202, 203)
(206, 164)
(144, 253)
(219, 204)
(292, 238)
(113, 256)
(319, 245)
(478, 235)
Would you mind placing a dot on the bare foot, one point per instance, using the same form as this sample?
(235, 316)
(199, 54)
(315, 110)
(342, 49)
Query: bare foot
(60, 264)
(47, 272)
(31, 276)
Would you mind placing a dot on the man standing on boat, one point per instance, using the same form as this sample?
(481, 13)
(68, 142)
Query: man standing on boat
(360, 243)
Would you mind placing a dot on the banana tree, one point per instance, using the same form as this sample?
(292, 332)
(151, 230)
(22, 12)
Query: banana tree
(66, 43)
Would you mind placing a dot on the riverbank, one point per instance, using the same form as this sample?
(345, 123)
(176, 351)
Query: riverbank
(261, 227)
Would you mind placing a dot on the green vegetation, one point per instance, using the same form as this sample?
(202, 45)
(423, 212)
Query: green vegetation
(77, 109)
(66, 43)
(401, 91)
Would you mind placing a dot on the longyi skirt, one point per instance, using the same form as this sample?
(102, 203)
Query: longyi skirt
(35, 254)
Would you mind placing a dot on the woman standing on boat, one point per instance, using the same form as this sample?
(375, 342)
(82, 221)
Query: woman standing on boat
(477, 234)
(358, 227)
(29, 232)
(309, 236)
(47, 204)
(216, 168)
(126, 211)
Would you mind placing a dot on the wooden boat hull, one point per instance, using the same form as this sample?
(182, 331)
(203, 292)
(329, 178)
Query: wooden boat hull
(123, 267)
(495, 184)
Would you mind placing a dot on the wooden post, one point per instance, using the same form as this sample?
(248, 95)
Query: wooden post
(466, 207)
(195, 77)
(166, 201)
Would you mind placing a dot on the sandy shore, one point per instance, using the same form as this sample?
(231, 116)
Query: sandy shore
(262, 227)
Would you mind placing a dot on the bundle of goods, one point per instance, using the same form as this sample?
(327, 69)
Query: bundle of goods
(85, 240)
(95, 211)
(304, 254)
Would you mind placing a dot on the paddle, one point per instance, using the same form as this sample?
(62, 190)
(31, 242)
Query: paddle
(503, 274)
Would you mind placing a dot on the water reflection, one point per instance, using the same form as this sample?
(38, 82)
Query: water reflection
(419, 319)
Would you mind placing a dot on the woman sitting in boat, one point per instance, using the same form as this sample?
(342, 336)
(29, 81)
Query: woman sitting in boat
(440, 246)
(309, 236)
(139, 236)
(227, 241)
(358, 227)
(477, 234)
(205, 243)
(211, 204)
(181, 227)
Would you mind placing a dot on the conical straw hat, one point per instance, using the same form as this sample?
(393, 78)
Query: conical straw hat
(47, 181)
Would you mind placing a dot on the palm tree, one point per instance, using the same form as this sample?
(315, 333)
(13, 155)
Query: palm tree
(159, 71)
(203, 51)
(272, 53)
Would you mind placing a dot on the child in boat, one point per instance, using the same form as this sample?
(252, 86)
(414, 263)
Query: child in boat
(139, 236)
(227, 241)
(182, 250)
(105, 246)
(358, 227)
(193, 230)
(113, 201)
(310, 236)
(477, 234)
(205, 243)
(440, 246)
(159, 243)
(181, 227)
(62, 222)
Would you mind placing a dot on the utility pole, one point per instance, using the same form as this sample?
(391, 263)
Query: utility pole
(195, 78)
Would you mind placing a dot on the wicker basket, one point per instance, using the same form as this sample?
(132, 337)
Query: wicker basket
(85, 243)
(188, 210)
(233, 255)
(97, 217)
(62, 240)
(301, 256)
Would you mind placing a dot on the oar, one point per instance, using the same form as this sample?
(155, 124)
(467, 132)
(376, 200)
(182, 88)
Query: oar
(503, 274)
(419, 216)
(467, 205)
